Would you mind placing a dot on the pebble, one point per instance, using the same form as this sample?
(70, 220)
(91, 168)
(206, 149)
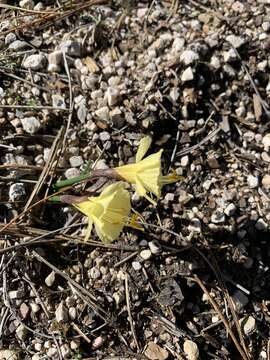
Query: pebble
(58, 101)
(9, 354)
(266, 26)
(266, 142)
(184, 161)
(230, 209)
(112, 96)
(21, 332)
(16, 294)
(261, 225)
(35, 62)
(229, 55)
(145, 254)
(18, 45)
(240, 300)
(97, 343)
(178, 44)
(10, 38)
(155, 352)
(248, 324)
(235, 40)
(71, 48)
(50, 279)
(136, 265)
(94, 273)
(76, 161)
(266, 181)
(187, 75)
(27, 4)
(65, 350)
(24, 310)
(195, 225)
(188, 57)
(252, 181)
(55, 60)
(103, 113)
(72, 312)
(217, 217)
(31, 125)
(155, 247)
(72, 172)
(191, 350)
(16, 192)
(61, 313)
(104, 136)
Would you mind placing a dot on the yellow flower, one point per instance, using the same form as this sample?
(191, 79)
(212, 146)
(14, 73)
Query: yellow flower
(146, 174)
(108, 212)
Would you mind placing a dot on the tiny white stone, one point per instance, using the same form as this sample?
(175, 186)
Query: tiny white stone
(136, 265)
(50, 279)
(145, 254)
(16, 192)
(112, 96)
(188, 57)
(31, 125)
(191, 350)
(21, 332)
(155, 247)
(35, 62)
(248, 324)
(252, 181)
(235, 40)
(103, 113)
(230, 209)
(76, 161)
(187, 75)
(61, 313)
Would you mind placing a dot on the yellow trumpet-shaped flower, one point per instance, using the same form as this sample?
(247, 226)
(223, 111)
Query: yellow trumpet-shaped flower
(146, 173)
(108, 212)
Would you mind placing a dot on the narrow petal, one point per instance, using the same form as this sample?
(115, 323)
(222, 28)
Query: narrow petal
(144, 146)
(89, 229)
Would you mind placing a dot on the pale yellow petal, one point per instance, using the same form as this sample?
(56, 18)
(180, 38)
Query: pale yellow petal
(144, 146)
(88, 230)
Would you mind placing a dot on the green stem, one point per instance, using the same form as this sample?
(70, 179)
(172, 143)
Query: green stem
(55, 199)
(72, 181)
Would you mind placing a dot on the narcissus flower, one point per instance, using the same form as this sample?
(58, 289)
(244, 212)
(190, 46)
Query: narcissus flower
(108, 212)
(146, 174)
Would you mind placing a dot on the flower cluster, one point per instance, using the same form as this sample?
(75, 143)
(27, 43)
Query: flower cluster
(109, 212)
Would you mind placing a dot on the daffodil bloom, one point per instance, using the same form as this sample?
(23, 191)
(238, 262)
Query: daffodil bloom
(108, 212)
(146, 174)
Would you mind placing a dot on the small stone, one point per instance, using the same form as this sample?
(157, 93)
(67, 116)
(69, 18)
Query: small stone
(155, 247)
(71, 48)
(58, 101)
(195, 225)
(240, 300)
(31, 125)
(117, 118)
(261, 225)
(218, 217)
(103, 113)
(266, 142)
(76, 161)
(24, 310)
(104, 136)
(27, 4)
(155, 352)
(18, 45)
(191, 350)
(21, 332)
(229, 55)
(101, 165)
(74, 345)
(35, 307)
(9, 354)
(112, 96)
(215, 62)
(52, 352)
(72, 312)
(97, 342)
(145, 254)
(252, 181)
(266, 181)
(50, 279)
(235, 41)
(187, 75)
(136, 265)
(188, 57)
(72, 172)
(184, 161)
(266, 26)
(65, 351)
(35, 62)
(16, 192)
(248, 325)
(230, 209)
(61, 313)
(16, 294)
(178, 44)
(55, 60)
(10, 38)
(265, 157)
(94, 273)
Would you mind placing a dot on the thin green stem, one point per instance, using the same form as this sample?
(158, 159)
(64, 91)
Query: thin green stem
(72, 181)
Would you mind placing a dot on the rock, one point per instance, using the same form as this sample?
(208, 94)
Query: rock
(191, 350)
(61, 313)
(155, 247)
(261, 225)
(266, 142)
(215, 62)
(21, 332)
(103, 113)
(76, 161)
(248, 325)
(9, 355)
(252, 181)
(117, 118)
(58, 101)
(145, 254)
(230, 209)
(266, 181)
(229, 55)
(188, 57)
(94, 273)
(217, 217)
(155, 352)
(16, 294)
(27, 4)
(112, 96)
(71, 48)
(35, 62)
(187, 75)
(136, 265)
(195, 225)
(18, 45)
(235, 41)
(16, 192)
(97, 343)
(178, 44)
(65, 351)
(31, 125)
(10, 38)
(104, 136)
(72, 172)
(55, 60)
(72, 312)
(50, 279)
(266, 26)
(24, 310)
(240, 300)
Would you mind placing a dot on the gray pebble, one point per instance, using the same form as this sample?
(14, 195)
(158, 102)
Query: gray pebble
(35, 62)
(16, 192)
(76, 161)
(31, 125)
(188, 57)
